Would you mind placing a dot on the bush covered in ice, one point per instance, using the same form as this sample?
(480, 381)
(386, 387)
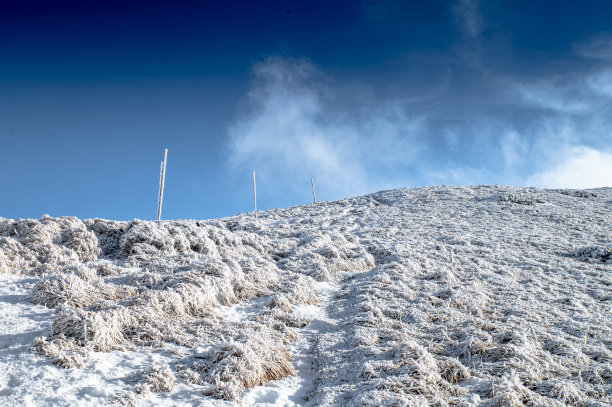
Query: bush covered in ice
(53, 242)
(598, 253)
(520, 199)
(578, 193)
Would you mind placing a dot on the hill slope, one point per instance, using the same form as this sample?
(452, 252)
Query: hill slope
(484, 295)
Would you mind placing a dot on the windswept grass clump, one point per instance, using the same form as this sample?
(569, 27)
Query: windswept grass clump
(520, 199)
(255, 355)
(77, 287)
(28, 245)
(323, 255)
(158, 379)
(594, 253)
(578, 193)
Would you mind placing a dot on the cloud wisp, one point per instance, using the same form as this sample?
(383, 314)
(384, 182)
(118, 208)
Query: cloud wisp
(597, 47)
(295, 128)
(579, 167)
(298, 123)
(468, 14)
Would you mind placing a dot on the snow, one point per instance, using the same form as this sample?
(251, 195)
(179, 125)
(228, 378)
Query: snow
(484, 295)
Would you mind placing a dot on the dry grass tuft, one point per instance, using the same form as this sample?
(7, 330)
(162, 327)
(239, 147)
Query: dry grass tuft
(62, 351)
(157, 380)
(28, 244)
(77, 287)
(255, 357)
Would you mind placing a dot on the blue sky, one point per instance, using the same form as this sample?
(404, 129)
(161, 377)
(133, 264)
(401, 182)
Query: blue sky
(359, 95)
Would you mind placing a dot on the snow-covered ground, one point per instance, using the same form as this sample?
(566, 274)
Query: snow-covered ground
(486, 295)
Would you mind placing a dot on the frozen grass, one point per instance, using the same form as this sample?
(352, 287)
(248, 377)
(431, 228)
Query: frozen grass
(444, 296)
(45, 244)
(254, 357)
(157, 285)
(157, 380)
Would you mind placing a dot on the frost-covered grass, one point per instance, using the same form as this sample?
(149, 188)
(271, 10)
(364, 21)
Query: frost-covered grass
(487, 295)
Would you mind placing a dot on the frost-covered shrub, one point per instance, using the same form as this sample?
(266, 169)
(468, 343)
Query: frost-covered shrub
(68, 289)
(62, 352)
(83, 242)
(323, 255)
(578, 193)
(254, 357)
(96, 330)
(76, 286)
(14, 257)
(147, 239)
(590, 253)
(26, 244)
(520, 199)
(108, 233)
(157, 379)
(296, 289)
(510, 391)
(106, 268)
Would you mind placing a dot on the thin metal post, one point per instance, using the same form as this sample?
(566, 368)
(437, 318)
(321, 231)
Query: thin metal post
(314, 197)
(162, 176)
(254, 195)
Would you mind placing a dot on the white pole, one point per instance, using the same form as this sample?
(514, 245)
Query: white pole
(159, 192)
(314, 197)
(254, 195)
(162, 176)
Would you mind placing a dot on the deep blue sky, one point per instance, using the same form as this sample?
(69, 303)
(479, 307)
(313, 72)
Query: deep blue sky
(360, 95)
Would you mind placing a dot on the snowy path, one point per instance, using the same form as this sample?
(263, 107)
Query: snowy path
(298, 389)
(303, 351)
(336, 357)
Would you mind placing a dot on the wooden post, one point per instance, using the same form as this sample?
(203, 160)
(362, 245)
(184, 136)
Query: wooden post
(162, 176)
(314, 197)
(254, 195)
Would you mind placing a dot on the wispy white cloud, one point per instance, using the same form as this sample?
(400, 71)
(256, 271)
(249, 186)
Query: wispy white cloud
(597, 47)
(293, 129)
(514, 148)
(564, 95)
(585, 90)
(577, 167)
(600, 82)
(467, 11)
(297, 123)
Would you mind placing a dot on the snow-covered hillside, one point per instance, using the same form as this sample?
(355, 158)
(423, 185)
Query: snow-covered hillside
(485, 295)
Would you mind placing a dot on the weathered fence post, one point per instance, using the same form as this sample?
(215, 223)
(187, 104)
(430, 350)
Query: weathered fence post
(254, 195)
(314, 197)
(162, 176)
